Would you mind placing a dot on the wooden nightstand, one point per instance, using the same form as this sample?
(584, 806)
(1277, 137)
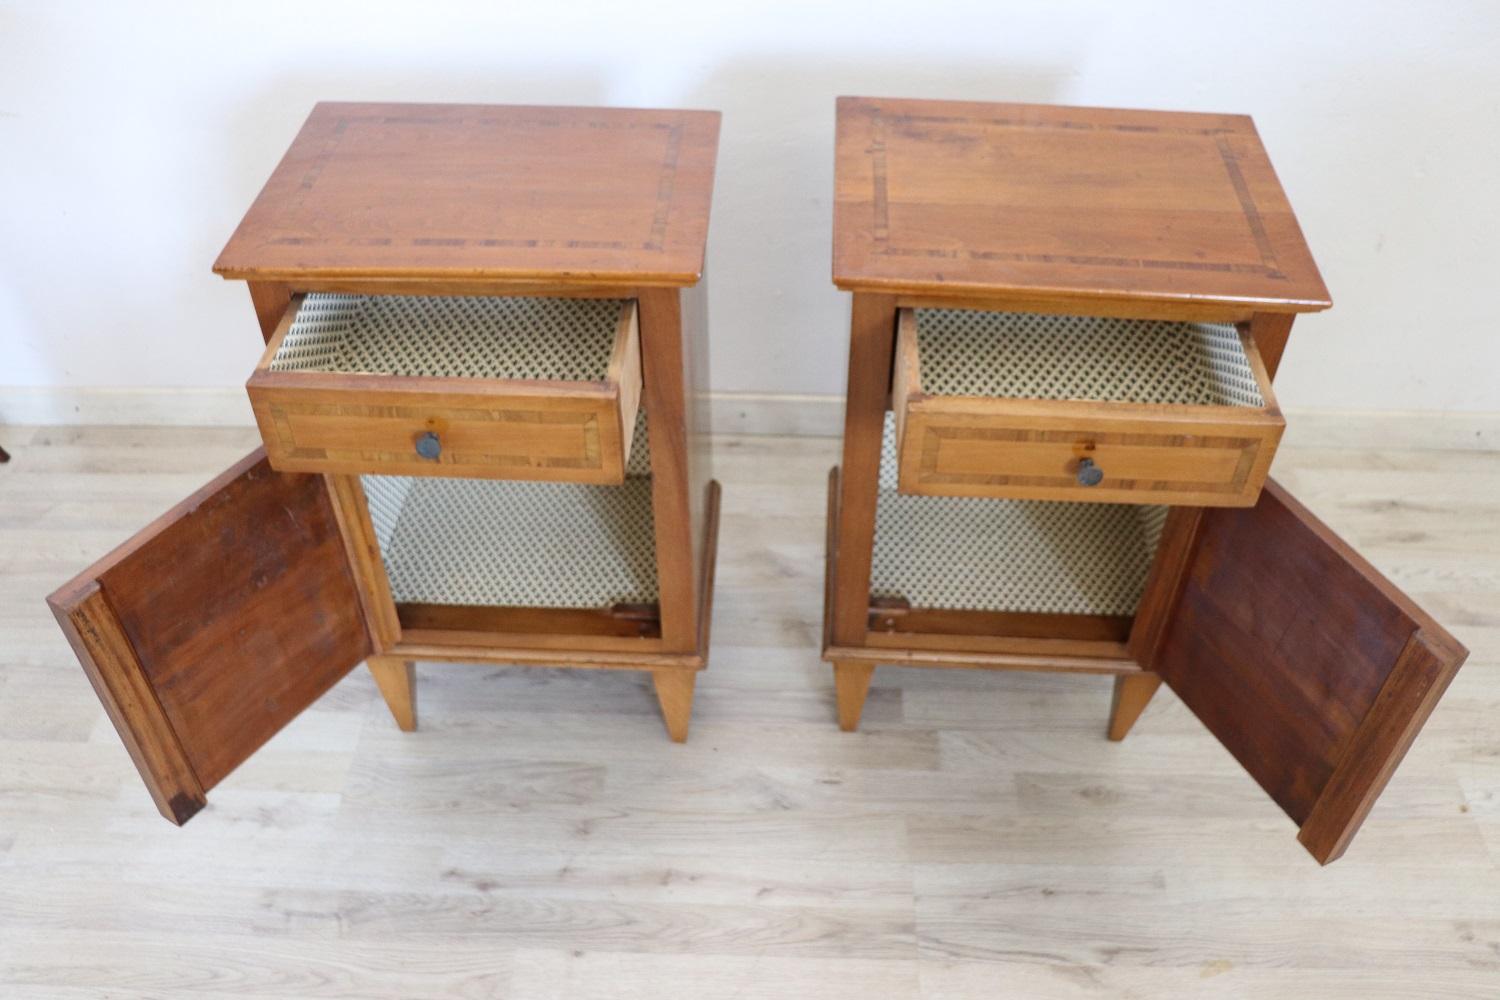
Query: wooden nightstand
(485, 436)
(1058, 428)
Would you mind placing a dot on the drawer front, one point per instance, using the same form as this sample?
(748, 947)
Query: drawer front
(1057, 456)
(1081, 450)
(354, 422)
(354, 430)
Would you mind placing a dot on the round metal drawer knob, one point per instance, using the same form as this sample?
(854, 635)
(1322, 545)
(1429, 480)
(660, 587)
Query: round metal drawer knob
(429, 447)
(1089, 474)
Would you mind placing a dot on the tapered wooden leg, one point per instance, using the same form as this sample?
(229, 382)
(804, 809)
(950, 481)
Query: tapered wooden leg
(397, 680)
(674, 693)
(1132, 694)
(851, 683)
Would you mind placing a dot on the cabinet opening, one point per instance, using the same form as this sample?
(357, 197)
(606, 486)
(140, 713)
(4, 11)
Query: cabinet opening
(1014, 568)
(1007, 355)
(451, 336)
(505, 556)
(1021, 406)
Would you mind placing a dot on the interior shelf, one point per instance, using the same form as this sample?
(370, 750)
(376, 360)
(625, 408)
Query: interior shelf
(495, 337)
(967, 352)
(490, 542)
(971, 553)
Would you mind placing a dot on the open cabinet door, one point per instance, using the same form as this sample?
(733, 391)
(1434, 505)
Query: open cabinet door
(1305, 662)
(211, 629)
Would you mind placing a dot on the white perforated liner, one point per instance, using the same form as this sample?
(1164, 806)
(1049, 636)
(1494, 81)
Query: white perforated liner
(978, 553)
(965, 352)
(502, 543)
(452, 336)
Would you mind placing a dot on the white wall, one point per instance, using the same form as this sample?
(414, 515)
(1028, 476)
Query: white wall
(133, 136)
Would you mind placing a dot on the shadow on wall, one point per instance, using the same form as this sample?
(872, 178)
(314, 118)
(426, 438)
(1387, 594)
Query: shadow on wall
(263, 126)
(779, 325)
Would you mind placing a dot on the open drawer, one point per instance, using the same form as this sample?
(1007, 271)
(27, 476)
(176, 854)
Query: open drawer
(478, 386)
(1036, 407)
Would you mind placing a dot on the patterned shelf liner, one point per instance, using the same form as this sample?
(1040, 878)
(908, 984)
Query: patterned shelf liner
(966, 352)
(459, 336)
(524, 544)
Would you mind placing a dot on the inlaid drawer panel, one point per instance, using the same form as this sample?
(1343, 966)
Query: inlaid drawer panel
(476, 386)
(1035, 407)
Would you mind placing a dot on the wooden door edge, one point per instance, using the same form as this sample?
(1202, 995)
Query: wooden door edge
(362, 551)
(118, 678)
(1423, 671)
(1165, 583)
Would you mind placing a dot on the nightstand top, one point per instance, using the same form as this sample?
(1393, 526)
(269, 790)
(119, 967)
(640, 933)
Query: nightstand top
(1048, 203)
(484, 192)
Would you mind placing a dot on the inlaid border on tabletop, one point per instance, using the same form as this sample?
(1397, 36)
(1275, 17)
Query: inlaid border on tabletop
(510, 193)
(939, 197)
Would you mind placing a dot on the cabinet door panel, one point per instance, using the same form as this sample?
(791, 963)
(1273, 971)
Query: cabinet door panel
(216, 625)
(1305, 662)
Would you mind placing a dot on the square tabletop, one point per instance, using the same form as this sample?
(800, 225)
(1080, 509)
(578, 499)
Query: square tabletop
(485, 192)
(1047, 203)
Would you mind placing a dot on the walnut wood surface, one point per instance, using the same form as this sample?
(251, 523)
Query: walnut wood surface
(626, 621)
(486, 192)
(234, 612)
(98, 640)
(851, 685)
(674, 695)
(365, 562)
(897, 617)
(674, 333)
(1305, 662)
(345, 422)
(397, 680)
(893, 626)
(872, 332)
(1050, 202)
(1132, 694)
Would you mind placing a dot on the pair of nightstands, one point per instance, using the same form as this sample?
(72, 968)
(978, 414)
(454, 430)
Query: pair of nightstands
(482, 406)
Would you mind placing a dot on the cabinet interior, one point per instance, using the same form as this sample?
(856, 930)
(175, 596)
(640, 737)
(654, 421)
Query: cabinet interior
(494, 337)
(1012, 355)
(1016, 556)
(496, 543)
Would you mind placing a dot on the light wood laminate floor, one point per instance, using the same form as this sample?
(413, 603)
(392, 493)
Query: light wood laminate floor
(539, 837)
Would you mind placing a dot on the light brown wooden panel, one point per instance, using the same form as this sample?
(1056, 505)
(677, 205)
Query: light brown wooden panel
(1061, 204)
(895, 616)
(633, 621)
(872, 330)
(216, 625)
(1031, 449)
(488, 428)
(581, 196)
(673, 338)
(894, 626)
(1305, 662)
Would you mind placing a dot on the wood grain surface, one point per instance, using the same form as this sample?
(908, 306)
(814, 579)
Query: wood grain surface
(539, 838)
(1310, 667)
(1047, 202)
(507, 193)
(218, 623)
